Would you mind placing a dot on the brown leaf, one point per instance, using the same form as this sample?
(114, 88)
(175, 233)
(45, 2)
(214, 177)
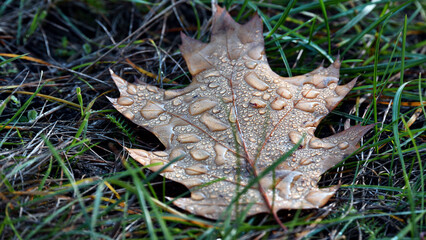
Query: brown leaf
(235, 119)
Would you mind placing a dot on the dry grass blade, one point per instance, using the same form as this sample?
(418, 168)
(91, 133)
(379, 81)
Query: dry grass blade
(32, 59)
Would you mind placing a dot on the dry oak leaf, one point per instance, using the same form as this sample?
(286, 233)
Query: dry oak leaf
(235, 119)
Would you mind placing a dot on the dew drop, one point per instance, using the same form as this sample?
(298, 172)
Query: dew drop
(125, 101)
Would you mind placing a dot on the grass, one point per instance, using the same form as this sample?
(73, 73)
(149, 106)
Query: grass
(63, 171)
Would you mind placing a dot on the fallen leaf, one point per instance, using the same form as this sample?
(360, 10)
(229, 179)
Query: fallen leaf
(235, 119)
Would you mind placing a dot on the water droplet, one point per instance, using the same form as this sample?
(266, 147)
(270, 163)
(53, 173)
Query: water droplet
(196, 169)
(256, 52)
(125, 101)
(310, 94)
(212, 123)
(278, 104)
(188, 138)
(295, 137)
(227, 99)
(128, 114)
(201, 105)
(285, 93)
(253, 80)
(152, 88)
(160, 153)
(305, 161)
(199, 154)
(131, 89)
(220, 154)
(257, 103)
(306, 106)
(177, 153)
(177, 102)
(213, 85)
(232, 116)
(191, 182)
(197, 196)
(212, 74)
(152, 110)
(266, 96)
(343, 145)
(316, 143)
(250, 64)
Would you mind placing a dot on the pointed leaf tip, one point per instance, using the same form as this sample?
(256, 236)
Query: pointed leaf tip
(222, 22)
(343, 90)
(195, 52)
(320, 197)
(190, 45)
(252, 31)
(346, 143)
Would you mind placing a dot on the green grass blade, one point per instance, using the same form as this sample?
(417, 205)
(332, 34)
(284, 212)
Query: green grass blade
(96, 208)
(324, 13)
(404, 39)
(145, 200)
(284, 58)
(282, 18)
(374, 25)
(49, 219)
(395, 117)
(367, 9)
